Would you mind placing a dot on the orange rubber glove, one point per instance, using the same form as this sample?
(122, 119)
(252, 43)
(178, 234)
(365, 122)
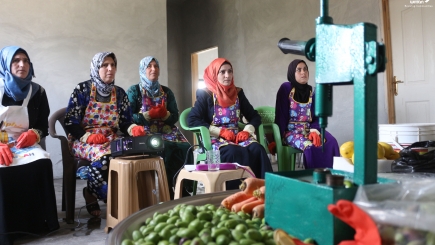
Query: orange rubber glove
(227, 134)
(366, 232)
(26, 139)
(97, 139)
(161, 109)
(315, 138)
(242, 136)
(153, 112)
(6, 156)
(272, 148)
(138, 131)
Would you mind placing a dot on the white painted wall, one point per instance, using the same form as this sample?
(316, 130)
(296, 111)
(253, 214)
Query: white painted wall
(62, 36)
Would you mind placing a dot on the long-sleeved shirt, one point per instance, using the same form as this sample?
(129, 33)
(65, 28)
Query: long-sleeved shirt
(203, 110)
(135, 97)
(79, 101)
(37, 109)
(282, 109)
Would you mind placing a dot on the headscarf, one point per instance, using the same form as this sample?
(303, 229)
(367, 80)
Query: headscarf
(226, 95)
(302, 91)
(145, 83)
(103, 88)
(15, 87)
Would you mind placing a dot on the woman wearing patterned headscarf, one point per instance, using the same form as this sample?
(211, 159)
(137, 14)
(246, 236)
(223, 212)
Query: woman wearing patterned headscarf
(26, 171)
(295, 118)
(154, 106)
(97, 109)
(219, 107)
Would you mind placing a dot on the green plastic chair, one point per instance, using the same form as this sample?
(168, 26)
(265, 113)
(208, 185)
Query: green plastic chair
(286, 154)
(201, 133)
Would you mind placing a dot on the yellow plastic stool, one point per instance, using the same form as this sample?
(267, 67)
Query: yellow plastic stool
(213, 180)
(132, 186)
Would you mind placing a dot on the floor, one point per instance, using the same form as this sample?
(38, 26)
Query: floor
(87, 230)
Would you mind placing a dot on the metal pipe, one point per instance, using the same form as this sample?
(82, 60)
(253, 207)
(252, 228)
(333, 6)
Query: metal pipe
(288, 46)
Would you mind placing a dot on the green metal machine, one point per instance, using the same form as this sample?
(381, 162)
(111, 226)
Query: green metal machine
(344, 54)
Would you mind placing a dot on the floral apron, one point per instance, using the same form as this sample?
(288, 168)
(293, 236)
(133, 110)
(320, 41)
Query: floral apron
(99, 118)
(176, 145)
(15, 121)
(228, 118)
(158, 126)
(299, 123)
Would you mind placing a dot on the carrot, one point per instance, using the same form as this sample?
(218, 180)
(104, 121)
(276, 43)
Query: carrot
(260, 193)
(237, 197)
(247, 208)
(258, 211)
(238, 206)
(249, 185)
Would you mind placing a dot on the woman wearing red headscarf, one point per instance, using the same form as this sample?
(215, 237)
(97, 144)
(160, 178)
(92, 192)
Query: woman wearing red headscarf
(220, 107)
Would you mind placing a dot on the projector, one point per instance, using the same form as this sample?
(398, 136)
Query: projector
(149, 145)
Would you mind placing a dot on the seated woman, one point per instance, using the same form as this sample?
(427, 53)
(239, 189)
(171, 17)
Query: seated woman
(154, 106)
(219, 107)
(97, 109)
(294, 115)
(28, 202)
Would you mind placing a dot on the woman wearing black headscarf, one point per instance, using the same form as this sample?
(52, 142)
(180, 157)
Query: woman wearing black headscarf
(27, 199)
(294, 115)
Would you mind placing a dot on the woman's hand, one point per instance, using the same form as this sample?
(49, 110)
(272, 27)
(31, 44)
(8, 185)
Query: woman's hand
(227, 134)
(272, 147)
(158, 111)
(138, 131)
(27, 139)
(242, 136)
(315, 139)
(6, 156)
(153, 112)
(97, 139)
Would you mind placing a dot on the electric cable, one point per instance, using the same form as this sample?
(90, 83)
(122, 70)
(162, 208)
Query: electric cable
(185, 162)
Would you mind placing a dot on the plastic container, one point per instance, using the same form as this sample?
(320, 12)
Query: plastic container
(406, 133)
(403, 211)
(345, 164)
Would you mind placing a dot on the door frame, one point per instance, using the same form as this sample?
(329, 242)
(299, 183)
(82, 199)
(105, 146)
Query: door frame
(385, 7)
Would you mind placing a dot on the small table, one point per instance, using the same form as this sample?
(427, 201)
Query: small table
(213, 180)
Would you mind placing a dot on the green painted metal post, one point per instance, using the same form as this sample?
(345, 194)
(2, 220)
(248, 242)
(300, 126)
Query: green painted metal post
(344, 54)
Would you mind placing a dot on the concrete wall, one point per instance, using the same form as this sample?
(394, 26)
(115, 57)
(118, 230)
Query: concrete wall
(62, 36)
(247, 32)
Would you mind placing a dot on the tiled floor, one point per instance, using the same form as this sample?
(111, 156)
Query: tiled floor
(86, 230)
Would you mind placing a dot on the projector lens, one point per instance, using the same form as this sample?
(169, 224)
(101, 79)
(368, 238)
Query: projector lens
(155, 142)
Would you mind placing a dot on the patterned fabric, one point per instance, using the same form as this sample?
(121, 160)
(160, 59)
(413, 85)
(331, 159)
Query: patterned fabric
(99, 118)
(228, 118)
(157, 126)
(15, 87)
(299, 123)
(103, 88)
(79, 101)
(150, 86)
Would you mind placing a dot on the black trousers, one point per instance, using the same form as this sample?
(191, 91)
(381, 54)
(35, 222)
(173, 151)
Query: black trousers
(27, 200)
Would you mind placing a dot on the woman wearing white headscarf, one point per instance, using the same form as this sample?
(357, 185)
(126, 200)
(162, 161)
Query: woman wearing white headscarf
(27, 199)
(97, 109)
(154, 106)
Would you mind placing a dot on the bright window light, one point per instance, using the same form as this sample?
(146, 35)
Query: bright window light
(201, 84)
